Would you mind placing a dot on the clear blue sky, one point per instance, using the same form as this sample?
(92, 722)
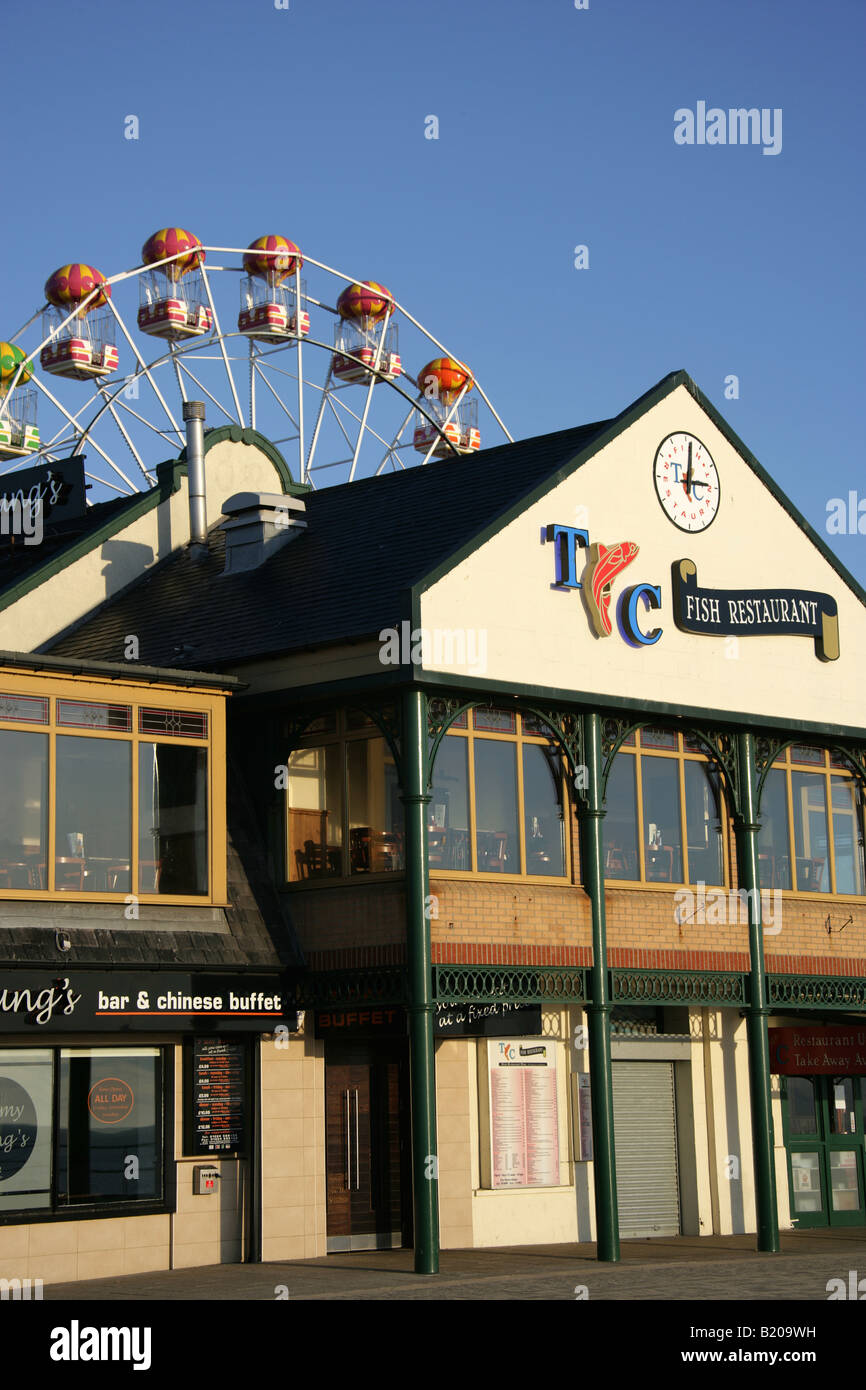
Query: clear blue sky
(556, 128)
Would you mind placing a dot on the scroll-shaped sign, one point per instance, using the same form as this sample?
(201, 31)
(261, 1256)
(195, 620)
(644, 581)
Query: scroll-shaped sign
(754, 612)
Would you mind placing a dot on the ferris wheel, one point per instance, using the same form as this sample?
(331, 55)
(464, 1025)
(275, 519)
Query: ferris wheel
(103, 368)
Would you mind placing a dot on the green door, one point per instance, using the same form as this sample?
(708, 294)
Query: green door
(824, 1140)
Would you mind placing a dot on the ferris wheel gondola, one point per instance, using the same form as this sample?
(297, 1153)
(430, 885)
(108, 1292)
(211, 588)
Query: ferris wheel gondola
(291, 370)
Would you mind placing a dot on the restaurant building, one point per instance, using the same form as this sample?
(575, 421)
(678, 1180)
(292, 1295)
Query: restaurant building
(545, 798)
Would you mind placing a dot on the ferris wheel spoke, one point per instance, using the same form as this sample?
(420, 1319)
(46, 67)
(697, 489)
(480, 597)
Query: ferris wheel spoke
(305, 472)
(391, 447)
(85, 436)
(144, 368)
(218, 332)
(211, 397)
(105, 482)
(181, 385)
(129, 444)
(343, 429)
(122, 405)
(278, 398)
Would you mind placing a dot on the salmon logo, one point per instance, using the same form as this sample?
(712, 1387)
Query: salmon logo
(605, 563)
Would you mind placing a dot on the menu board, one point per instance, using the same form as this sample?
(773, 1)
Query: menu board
(524, 1124)
(217, 1091)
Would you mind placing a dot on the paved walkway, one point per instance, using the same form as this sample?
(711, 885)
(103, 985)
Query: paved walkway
(685, 1268)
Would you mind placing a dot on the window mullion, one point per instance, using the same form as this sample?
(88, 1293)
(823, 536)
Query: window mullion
(640, 831)
(473, 834)
(792, 841)
(134, 878)
(684, 824)
(831, 837)
(51, 809)
(521, 828)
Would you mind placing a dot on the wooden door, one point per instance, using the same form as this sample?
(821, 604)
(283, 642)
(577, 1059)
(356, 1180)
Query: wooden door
(366, 1148)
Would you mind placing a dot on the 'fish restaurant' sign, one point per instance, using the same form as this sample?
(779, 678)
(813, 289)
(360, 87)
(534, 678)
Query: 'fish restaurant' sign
(705, 612)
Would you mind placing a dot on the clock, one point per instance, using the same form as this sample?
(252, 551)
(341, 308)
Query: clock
(687, 482)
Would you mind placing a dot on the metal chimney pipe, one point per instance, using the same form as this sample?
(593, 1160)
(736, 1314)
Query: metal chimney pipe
(193, 414)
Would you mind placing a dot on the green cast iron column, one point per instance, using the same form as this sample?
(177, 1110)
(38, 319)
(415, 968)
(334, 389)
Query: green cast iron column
(425, 1179)
(600, 1070)
(747, 828)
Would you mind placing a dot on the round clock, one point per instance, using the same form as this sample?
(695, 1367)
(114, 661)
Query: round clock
(687, 483)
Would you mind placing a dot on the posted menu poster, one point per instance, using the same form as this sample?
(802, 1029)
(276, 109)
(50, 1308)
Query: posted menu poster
(219, 1097)
(524, 1123)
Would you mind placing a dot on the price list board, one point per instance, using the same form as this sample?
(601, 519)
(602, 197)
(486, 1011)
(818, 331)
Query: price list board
(217, 1078)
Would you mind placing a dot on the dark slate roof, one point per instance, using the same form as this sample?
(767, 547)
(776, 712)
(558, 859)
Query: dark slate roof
(344, 578)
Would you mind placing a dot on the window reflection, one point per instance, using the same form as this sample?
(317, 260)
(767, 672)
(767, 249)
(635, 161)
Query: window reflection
(315, 813)
(93, 814)
(774, 855)
(620, 823)
(663, 853)
(809, 796)
(375, 808)
(703, 823)
(542, 812)
(847, 840)
(448, 811)
(496, 843)
(802, 1113)
(172, 819)
(23, 809)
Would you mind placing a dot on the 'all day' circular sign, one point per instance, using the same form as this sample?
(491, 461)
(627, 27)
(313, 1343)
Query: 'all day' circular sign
(110, 1100)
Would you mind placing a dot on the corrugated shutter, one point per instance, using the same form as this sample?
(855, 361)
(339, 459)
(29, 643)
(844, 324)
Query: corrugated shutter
(644, 1113)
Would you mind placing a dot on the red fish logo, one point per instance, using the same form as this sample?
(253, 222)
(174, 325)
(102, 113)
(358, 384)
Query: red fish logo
(605, 563)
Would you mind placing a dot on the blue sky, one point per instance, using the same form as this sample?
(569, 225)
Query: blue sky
(556, 129)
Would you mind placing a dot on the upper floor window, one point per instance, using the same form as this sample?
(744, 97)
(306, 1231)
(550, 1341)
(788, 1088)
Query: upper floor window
(664, 812)
(344, 815)
(811, 838)
(497, 804)
(106, 796)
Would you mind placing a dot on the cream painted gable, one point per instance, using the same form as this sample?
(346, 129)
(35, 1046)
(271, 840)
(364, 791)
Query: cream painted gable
(100, 573)
(497, 615)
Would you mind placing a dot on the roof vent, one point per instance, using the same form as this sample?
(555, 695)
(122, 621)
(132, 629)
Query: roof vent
(259, 524)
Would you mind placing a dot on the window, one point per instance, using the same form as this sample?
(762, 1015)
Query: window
(497, 804)
(664, 812)
(108, 798)
(344, 814)
(81, 1127)
(809, 803)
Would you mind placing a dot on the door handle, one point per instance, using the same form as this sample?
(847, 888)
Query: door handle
(348, 1145)
(357, 1147)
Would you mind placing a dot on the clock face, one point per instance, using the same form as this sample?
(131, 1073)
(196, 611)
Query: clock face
(687, 482)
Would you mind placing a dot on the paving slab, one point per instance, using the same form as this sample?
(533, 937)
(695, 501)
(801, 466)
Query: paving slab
(677, 1269)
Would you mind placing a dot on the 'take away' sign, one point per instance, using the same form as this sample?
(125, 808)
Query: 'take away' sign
(754, 612)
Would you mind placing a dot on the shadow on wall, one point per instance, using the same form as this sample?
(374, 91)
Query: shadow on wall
(125, 560)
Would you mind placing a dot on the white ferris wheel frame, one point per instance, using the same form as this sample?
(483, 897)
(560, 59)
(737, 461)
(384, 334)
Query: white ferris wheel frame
(106, 395)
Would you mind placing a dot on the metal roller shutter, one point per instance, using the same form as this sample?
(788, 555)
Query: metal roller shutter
(644, 1111)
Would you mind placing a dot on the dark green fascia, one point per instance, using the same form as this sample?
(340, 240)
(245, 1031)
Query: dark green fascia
(168, 479)
(486, 690)
(237, 435)
(610, 431)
